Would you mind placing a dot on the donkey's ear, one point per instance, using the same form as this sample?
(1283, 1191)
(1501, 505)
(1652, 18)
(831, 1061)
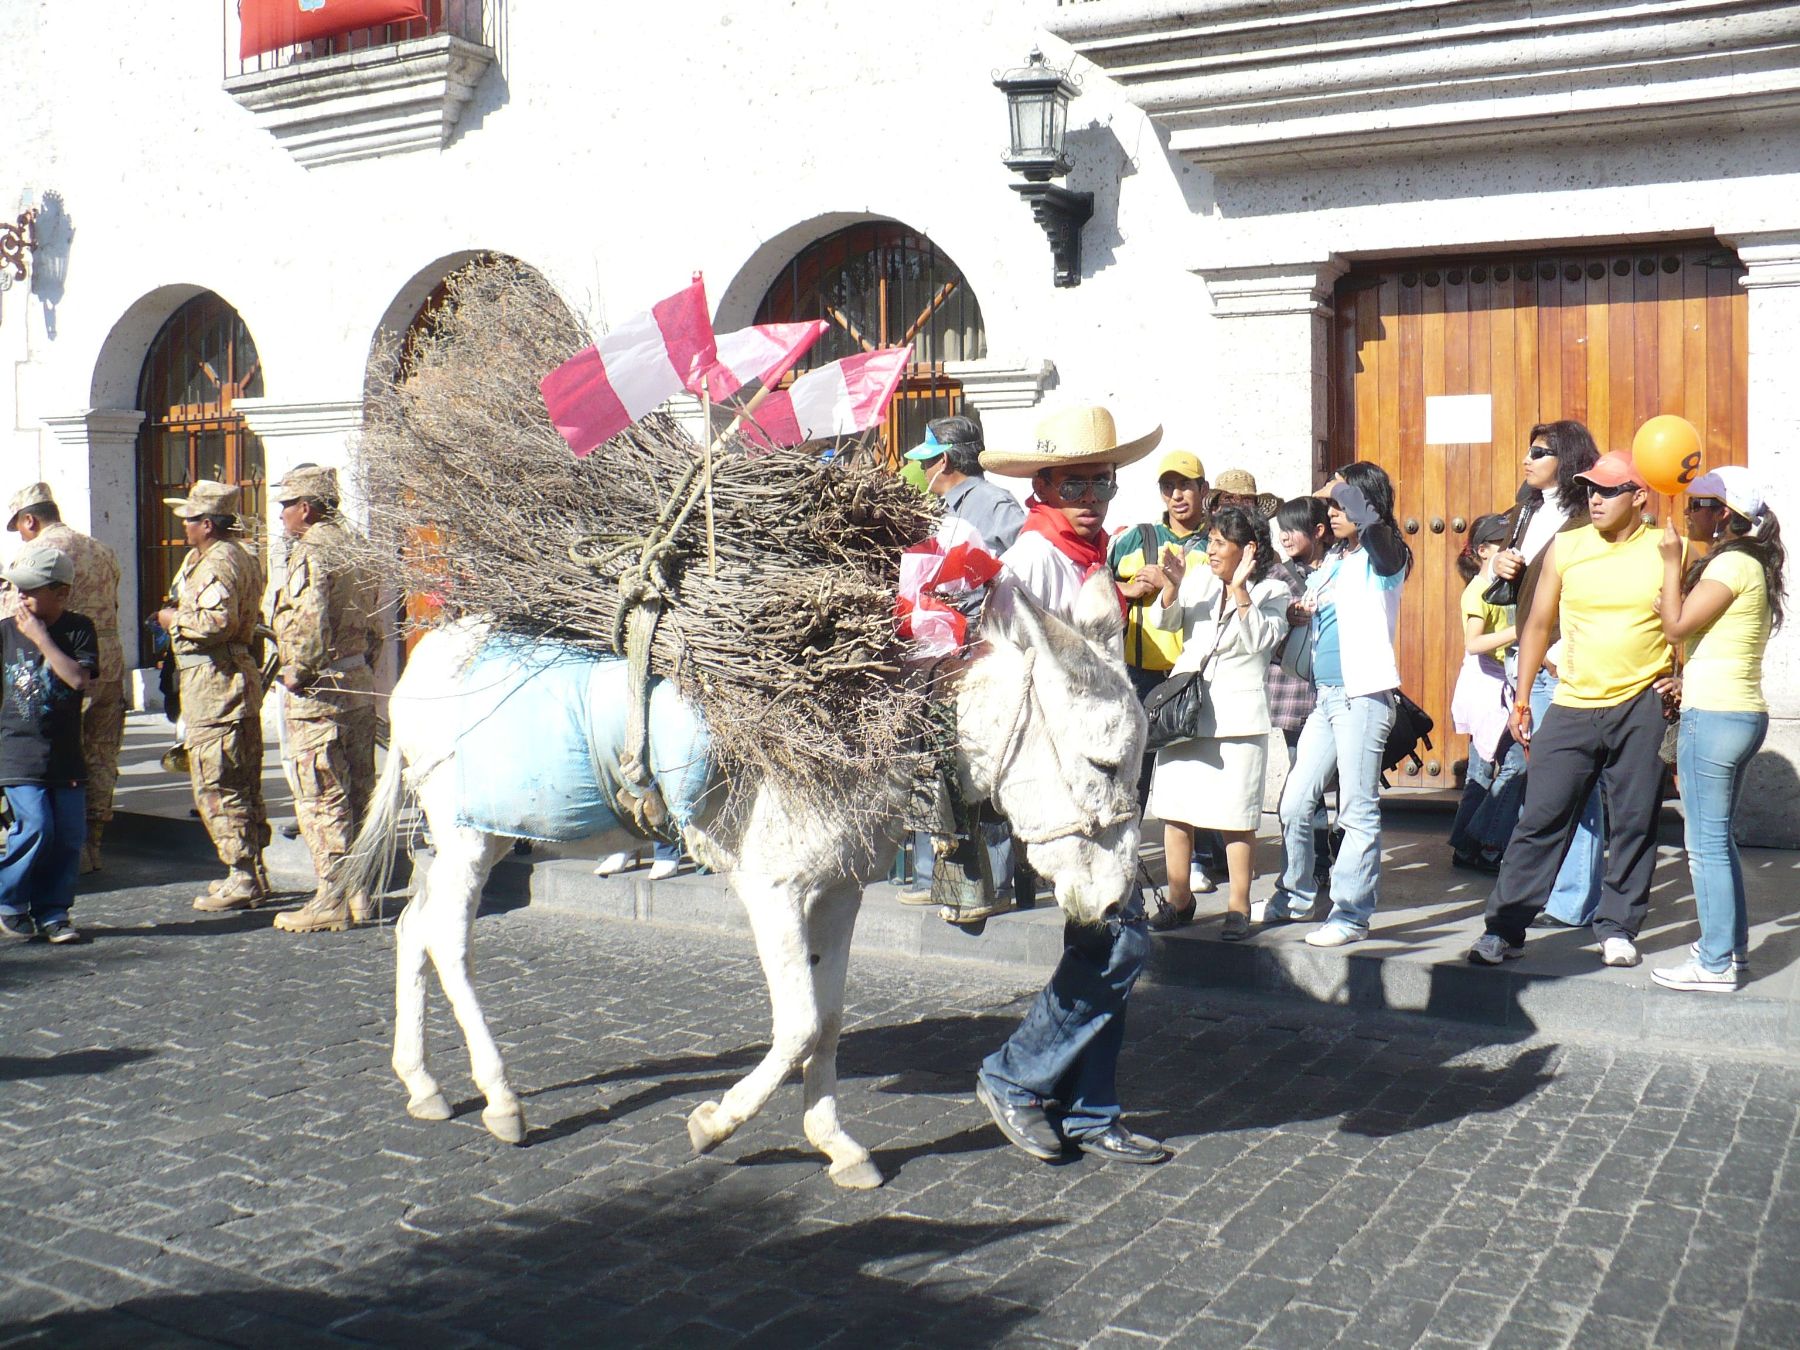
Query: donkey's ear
(1012, 615)
(1097, 615)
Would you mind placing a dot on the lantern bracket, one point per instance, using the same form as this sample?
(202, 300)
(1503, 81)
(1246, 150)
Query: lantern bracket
(1061, 214)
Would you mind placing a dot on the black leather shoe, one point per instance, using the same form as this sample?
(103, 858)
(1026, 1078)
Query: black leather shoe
(1117, 1144)
(1025, 1127)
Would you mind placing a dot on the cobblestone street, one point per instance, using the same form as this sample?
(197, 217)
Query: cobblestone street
(205, 1145)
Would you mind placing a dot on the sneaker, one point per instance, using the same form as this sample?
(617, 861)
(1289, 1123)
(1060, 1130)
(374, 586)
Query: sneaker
(1335, 935)
(614, 863)
(18, 927)
(1618, 951)
(1740, 958)
(1491, 949)
(1693, 976)
(663, 868)
(1199, 883)
(1269, 911)
(60, 931)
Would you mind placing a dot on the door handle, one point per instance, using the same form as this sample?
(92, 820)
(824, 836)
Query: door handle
(1459, 524)
(1412, 525)
(1437, 524)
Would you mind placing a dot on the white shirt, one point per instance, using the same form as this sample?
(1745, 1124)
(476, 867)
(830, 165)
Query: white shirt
(1047, 575)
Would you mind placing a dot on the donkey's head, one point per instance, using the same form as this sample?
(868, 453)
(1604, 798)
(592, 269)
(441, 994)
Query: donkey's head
(1052, 730)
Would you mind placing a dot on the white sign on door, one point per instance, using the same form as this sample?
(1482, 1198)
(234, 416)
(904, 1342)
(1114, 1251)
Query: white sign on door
(1459, 419)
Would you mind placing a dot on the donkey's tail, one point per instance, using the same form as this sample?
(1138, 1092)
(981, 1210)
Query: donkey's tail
(366, 871)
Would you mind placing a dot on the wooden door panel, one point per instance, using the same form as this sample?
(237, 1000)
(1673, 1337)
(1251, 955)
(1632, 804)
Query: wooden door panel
(1608, 338)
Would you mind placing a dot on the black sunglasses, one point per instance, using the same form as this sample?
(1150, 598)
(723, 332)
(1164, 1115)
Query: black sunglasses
(1702, 504)
(1616, 490)
(1075, 489)
(1539, 452)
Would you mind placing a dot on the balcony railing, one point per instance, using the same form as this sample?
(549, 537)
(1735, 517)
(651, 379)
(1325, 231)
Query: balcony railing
(473, 21)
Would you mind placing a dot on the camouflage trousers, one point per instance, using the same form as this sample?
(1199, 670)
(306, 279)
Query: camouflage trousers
(225, 765)
(334, 772)
(102, 733)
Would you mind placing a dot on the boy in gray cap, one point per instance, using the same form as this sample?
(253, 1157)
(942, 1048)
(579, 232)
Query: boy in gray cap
(49, 655)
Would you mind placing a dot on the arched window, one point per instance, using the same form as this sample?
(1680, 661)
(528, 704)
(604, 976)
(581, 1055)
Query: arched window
(202, 361)
(880, 284)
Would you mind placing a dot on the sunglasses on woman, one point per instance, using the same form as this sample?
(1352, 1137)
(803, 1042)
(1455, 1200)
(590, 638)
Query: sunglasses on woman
(1077, 489)
(1702, 504)
(1539, 452)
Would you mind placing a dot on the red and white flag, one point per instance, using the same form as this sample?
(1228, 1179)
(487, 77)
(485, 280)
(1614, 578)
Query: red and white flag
(840, 399)
(938, 580)
(264, 25)
(764, 352)
(642, 363)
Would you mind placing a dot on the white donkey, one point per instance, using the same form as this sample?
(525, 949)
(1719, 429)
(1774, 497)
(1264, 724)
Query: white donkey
(1047, 727)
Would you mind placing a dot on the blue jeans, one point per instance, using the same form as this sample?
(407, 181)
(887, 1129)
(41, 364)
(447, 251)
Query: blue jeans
(43, 851)
(1491, 799)
(1067, 1048)
(1712, 755)
(1576, 894)
(1346, 734)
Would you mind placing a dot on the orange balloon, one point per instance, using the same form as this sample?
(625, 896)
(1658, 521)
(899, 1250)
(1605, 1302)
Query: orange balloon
(1667, 451)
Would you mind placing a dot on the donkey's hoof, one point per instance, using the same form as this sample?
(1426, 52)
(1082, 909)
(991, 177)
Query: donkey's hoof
(507, 1123)
(857, 1176)
(432, 1107)
(703, 1131)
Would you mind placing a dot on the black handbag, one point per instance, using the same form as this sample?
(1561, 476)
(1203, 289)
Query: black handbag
(1173, 708)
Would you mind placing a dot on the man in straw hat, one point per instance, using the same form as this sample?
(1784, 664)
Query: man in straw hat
(327, 630)
(1067, 1048)
(1237, 487)
(34, 515)
(211, 627)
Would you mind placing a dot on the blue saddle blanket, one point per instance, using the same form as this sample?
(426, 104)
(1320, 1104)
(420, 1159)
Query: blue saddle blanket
(544, 725)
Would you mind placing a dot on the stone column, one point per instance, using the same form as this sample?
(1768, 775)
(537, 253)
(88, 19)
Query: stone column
(1767, 817)
(94, 476)
(1270, 366)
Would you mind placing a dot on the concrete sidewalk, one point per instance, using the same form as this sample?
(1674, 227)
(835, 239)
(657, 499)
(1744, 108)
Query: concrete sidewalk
(1413, 963)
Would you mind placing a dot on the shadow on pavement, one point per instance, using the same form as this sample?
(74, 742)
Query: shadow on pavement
(70, 1062)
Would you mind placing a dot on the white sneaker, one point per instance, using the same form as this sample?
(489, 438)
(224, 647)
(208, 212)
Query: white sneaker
(664, 868)
(1618, 951)
(1267, 911)
(1199, 883)
(1693, 976)
(614, 863)
(1335, 935)
(1740, 958)
(1491, 949)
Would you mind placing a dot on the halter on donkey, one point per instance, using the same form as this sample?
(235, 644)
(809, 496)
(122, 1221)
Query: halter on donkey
(1046, 726)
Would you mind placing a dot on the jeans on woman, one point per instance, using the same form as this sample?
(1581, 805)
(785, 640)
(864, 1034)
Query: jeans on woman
(43, 851)
(1346, 734)
(1712, 756)
(1576, 894)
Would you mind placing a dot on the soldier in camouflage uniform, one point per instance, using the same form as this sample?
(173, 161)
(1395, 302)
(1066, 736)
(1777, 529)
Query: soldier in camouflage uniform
(327, 626)
(34, 514)
(211, 627)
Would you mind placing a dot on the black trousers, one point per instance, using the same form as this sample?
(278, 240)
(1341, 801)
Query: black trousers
(1575, 748)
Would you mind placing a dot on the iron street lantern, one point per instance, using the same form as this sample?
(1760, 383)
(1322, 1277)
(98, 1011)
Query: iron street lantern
(1037, 107)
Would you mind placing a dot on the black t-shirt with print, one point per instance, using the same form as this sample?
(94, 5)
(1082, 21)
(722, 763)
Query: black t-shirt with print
(40, 716)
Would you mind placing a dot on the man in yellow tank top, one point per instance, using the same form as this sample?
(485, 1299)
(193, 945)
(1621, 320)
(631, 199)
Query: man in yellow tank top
(1605, 724)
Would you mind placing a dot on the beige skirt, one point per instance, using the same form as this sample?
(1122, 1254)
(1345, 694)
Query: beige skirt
(1215, 782)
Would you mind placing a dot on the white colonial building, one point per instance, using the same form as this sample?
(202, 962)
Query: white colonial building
(1392, 231)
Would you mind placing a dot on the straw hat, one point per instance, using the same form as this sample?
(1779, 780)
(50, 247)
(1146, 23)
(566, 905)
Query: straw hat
(1079, 435)
(1241, 483)
(205, 498)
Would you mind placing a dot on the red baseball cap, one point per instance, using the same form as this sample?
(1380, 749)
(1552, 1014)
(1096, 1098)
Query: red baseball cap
(1612, 470)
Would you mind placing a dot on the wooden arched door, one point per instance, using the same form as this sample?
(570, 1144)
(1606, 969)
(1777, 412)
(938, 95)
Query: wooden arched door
(1609, 338)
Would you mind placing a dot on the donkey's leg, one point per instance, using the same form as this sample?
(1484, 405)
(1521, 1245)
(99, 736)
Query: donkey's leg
(452, 895)
(425, 1099)
(829, 926)
(778, 920)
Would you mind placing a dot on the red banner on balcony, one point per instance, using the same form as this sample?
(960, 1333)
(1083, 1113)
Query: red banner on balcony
(270, 24)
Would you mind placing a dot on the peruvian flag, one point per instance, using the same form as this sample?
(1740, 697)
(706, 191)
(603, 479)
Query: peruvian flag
(836, 400)
(642, 363)
(765, 352)
(938, 580)
(265, 25)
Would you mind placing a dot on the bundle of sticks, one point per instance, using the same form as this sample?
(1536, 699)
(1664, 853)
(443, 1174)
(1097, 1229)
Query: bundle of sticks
(780, 628)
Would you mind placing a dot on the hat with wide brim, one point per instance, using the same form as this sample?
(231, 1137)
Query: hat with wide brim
(1074, 436)
(1265, 504)
(205, 498)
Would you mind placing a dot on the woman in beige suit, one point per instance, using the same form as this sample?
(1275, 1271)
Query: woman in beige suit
(1233, 608)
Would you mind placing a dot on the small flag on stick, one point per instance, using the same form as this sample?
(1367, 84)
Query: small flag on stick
(764, 352)
(840, 399)
(642, 363)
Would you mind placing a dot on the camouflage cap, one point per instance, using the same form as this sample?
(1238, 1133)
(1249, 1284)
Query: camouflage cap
(40, 565)
(205, 498)
(38, 494)
(307, 480)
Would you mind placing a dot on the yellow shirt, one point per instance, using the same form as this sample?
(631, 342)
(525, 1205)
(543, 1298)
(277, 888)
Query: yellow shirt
(1613, 644)
(1493, 617)
(1724, 662)
(1148, 647)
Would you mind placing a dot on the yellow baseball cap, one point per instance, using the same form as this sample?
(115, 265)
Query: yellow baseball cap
(1184, 462)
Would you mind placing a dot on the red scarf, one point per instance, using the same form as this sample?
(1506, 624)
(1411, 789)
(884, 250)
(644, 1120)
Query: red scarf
(1088, 555)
